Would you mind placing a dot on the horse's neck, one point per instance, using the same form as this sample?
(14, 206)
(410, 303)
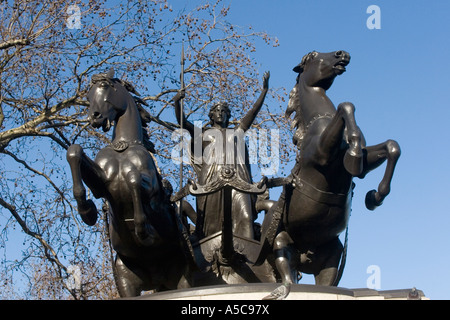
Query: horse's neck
(314, 101)
(128, 127)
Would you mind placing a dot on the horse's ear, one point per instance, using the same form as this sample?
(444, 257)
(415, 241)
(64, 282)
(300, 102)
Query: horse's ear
(110, 73)
(298, 68)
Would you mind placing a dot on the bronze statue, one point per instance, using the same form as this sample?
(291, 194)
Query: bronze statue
(144, 229)
(209, 207)
(224, 241)
(313, 209)
(300, 231)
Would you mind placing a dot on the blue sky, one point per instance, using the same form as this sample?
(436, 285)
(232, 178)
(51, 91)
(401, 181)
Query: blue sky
(398, 81)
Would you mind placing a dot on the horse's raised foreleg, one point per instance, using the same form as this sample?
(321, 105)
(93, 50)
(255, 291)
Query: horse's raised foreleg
(144, 231)
(331, 139)
(83, 168)
(353, 159)
(374, 157)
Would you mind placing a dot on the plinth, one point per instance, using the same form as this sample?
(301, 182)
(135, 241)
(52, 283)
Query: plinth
(257, 291)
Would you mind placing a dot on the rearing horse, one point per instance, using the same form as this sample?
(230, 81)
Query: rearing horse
(315, 205)
(143, 226)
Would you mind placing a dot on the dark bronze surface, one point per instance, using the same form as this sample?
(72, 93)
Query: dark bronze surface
(143, 225)
(300, 231)
(315, 206)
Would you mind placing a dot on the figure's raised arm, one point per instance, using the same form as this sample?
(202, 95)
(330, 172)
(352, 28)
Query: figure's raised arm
(186, 124)
(248, 119)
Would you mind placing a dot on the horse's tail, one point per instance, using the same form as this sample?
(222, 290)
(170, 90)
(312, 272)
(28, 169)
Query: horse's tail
(344, 251)
(343, 260)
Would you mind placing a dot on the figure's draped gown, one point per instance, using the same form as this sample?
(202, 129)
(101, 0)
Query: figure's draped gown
(210, 208)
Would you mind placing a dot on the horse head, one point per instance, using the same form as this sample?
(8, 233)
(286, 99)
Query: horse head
(315, 71)
(319, 69)
(108, 99)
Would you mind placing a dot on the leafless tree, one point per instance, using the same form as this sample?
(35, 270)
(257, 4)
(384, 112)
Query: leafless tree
(48, 52)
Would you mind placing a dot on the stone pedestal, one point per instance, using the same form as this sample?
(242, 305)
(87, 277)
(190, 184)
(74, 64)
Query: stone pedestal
(257, 291)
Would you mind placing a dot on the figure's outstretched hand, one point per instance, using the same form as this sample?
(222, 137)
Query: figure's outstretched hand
(266, 80)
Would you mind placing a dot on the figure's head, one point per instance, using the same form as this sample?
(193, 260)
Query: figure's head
(319, 69)
(220, 114)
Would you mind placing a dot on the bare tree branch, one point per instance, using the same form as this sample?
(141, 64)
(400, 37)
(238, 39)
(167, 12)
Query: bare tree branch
(45, 71)
(12, 43)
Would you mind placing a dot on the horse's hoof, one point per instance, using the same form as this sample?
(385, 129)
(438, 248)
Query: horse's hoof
(279, 293)
(353, 162)
(371, 200)
(88, 212)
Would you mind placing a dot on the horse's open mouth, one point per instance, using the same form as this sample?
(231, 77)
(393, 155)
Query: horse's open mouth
(105, 123)
(340, 66)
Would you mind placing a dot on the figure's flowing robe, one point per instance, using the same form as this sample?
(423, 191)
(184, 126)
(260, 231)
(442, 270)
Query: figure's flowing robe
(210, 208)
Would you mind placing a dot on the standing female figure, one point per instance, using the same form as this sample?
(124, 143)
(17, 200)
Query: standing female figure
(215, 158)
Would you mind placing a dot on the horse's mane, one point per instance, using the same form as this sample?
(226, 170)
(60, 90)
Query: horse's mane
(294, 102)
(297, 121)
(306, 58)
(144, 115)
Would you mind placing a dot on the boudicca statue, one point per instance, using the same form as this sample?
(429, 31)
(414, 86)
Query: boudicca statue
(209, 207)
(226, 196)
(300, 232)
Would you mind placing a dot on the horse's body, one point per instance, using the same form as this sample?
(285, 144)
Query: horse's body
(316, 204)
(143, 225)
